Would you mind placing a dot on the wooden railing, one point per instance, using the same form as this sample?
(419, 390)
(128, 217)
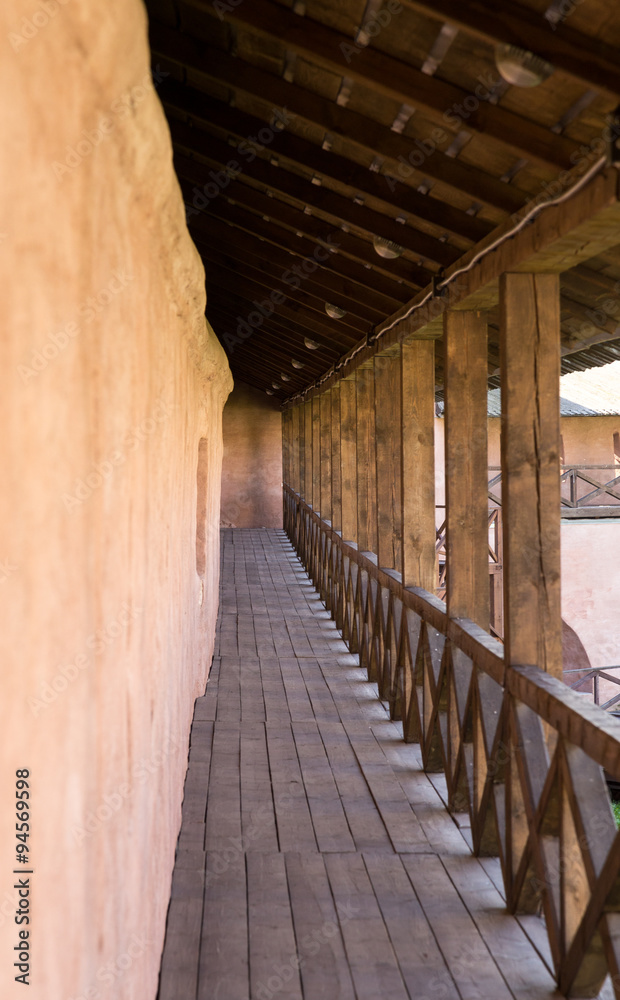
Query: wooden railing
(496, 565)
(585, 489)
(596, 674)
(521, 752)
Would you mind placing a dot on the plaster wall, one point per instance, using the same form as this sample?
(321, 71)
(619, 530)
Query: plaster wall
(590, 566)
(252, 467)
(591, 585)
(110, 379)
(586, 440)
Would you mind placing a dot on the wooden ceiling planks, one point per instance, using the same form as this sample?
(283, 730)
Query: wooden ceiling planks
(359, 152)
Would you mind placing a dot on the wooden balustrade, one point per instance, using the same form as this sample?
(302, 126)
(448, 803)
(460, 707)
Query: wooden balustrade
(523, 754)
(541, 805)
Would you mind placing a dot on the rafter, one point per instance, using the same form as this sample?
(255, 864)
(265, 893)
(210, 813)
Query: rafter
(320, 199)
(364, 132)
(294, 218)
(397, 80)
(588, 60)
(289, 338)
(325, 331)
(261, 270)
(396, 196)
(385, 293)
(241, 247)
(354, 325)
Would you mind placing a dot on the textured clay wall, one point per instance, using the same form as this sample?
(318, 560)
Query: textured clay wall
(252, 468)
(585, 440)
(590, 587)
(109, 382)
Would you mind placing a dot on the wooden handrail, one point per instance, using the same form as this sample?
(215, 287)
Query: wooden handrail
(521, 751)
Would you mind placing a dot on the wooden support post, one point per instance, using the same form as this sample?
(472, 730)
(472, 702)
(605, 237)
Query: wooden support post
(348, 460)
(316, 454)
(295, 448)
(419, 559)
(530, 383)
(307, 491)
(286, 446)
(325, 401)
(335, 467)
(387, 437)
(301, 448)
(366, 459)
(467, 519)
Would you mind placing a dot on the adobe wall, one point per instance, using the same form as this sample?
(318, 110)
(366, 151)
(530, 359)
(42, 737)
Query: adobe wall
(252, 467)
(109, 381)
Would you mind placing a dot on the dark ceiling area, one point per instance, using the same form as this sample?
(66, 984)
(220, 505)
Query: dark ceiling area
(335, 158)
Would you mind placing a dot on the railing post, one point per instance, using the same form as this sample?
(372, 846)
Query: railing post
(467, 525)
(419, 559)
(530, 383)
(366, 459)
(388, 452)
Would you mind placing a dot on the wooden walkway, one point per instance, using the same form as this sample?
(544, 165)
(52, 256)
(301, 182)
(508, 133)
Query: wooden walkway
(316, 859)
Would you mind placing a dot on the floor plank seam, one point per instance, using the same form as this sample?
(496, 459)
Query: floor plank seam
(316, 859)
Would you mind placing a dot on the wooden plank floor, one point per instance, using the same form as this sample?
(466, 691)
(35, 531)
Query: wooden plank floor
(315, 858)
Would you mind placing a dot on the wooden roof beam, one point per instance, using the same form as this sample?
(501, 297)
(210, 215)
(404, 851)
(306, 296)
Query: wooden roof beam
(398, 80)
(278, 179)
(287, 342)
(264, 272)
(384, 293)
(248, 294)
(283, 213)
(355, 326)
(397, 196)
(264, 357)
(561, 237)
(402, 152)
(242, 248)
(589, 60)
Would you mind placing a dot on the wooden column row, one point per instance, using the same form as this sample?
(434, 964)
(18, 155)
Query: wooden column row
(530, 460)
(362, 453)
